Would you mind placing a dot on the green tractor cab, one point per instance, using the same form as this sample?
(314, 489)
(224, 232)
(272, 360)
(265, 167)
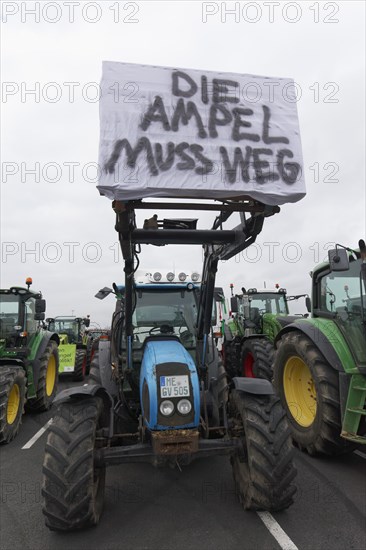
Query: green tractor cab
(257, 316)
(28, 358)
(72, 348)
(320, 365)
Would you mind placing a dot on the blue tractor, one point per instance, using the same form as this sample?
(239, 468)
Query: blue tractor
(158, 391)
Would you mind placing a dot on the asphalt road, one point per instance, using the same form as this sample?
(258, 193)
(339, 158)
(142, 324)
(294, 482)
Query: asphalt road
(157, 509)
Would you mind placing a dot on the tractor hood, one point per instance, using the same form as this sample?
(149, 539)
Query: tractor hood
(168, 372)
(165, 350)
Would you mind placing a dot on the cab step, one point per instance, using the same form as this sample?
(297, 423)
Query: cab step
(355, 409)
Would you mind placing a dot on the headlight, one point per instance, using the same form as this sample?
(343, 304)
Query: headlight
(157, 276)
(184, 406)
(170, 276)
(182, 277)
(166, 408)
(195, 277)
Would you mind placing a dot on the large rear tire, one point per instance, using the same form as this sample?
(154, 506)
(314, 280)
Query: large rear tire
(12, 398)
(257, 356)
(73, 488)
(80, 365)
(309, 391)
(47, 381)
(264, 472)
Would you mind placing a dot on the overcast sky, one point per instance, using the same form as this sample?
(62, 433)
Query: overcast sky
(61, 233)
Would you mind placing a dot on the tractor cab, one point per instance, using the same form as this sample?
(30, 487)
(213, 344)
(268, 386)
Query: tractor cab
(253, 304)
(164, 314)
(69, 329)
(169, 310)
(21, 309)
(339, 295)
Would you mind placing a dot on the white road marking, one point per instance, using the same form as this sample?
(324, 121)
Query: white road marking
(277, 532)
(359, 453)
(36, 436)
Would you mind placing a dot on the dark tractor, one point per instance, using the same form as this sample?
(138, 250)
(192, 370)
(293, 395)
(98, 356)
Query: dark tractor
(72, 348)
(28, 358)
(320, 365)
(159, 392)
(257, 316)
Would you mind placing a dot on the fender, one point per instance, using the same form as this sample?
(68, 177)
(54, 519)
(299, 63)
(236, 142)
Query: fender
(36, 362)
(228, 334)
(255, 337)
(318, 339)
(90, 390)
(105, 368)
(256, 386)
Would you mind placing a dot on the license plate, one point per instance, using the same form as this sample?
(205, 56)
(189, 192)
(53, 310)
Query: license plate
(174, 386)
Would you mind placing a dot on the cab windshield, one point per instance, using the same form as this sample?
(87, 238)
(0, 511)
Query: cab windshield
(266, 303)
(9, 314)
(65, 326)
(165, 313)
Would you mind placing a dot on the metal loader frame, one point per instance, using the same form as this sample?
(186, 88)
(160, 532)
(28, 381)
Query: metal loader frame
(218, 244)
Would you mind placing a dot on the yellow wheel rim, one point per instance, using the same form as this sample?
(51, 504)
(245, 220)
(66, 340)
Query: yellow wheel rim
(50, 375)
(13, 404)
(299, 391)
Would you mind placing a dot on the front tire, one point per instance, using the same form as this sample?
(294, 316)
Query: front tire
(309, 391)
(80, 365)
(264, 471)
(12, 398)
(257, 356)
(73, 488)
(47, 381)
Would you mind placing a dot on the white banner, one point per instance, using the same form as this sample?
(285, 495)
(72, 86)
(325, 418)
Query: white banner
(184, 133)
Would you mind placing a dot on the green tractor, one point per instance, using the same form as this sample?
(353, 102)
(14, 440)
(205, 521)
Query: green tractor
(28, 358)
(257, 316)
(72, 348)
(320, 363)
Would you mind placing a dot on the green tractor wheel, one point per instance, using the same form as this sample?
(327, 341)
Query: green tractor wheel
(48, 380)
(257, 357)
(264, 471)
(12, 398)
(73, 487)
(80, 365)
(309, 390)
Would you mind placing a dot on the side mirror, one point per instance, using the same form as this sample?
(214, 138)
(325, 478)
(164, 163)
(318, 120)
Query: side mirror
(219, 294)
(234, 304)
(103, 293)
(338, 259)
(308, 304)
(39, 316)
(40, 306)
(86, 321)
